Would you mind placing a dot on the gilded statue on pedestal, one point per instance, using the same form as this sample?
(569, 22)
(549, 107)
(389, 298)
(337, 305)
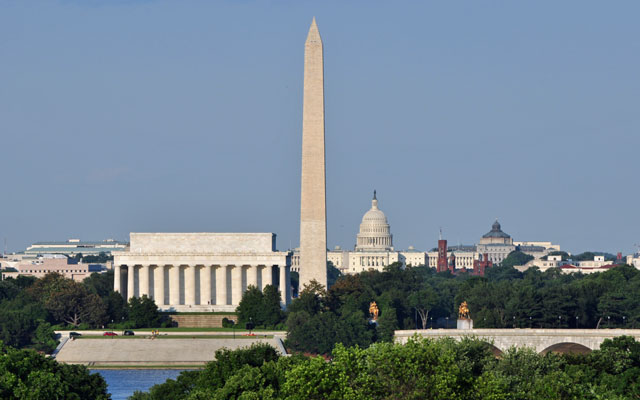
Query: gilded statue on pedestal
(373, 310)
(463, 311)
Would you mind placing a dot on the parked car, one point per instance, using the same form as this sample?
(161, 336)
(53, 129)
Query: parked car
(129, 333)
(109, 334)
(74, 334)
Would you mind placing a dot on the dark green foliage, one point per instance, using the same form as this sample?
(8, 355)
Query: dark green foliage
(25, 374)
(171, 389)
(143, 313)
(100, 284)
(68, 301)
(387, 323)
(295, 283)
(261, 308)
(333, 274)
(228, 323)
(516, 258)
(17, 328)
(504, 298)
(99, 259)
(44, 338)
(29, 306)
(420, 369)
(117, 310)
(253, 373)
(8, 289)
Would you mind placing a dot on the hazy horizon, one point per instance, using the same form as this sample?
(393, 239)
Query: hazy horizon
(186, 116)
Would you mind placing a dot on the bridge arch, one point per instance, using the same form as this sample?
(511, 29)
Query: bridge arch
(567, 348)
(497, 352)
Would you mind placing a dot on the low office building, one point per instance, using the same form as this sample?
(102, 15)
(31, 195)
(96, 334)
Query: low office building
(598, 264)
(74, 246)
(51, 264)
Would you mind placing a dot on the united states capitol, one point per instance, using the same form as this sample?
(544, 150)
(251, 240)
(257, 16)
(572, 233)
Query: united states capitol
(374, 248)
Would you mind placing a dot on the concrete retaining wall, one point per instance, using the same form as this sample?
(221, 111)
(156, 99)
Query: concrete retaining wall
(149, 352)
(201, 320)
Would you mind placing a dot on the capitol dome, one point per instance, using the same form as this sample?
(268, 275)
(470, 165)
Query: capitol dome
(375, 232)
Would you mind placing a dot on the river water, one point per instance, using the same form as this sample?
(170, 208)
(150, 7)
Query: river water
(123, 382)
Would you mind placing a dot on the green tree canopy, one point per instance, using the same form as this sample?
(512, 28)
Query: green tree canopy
(516, 258)
(143, 313)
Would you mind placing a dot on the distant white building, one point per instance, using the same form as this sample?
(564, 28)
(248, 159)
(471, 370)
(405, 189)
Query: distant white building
(74, 246)
(496, 244)
(373, 250)
(598, 264)
(547, 245)
(634, 260)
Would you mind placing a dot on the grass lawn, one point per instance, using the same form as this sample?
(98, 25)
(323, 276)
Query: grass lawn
(237, 336)
(199, 313)
(189, 367)
(178, 329)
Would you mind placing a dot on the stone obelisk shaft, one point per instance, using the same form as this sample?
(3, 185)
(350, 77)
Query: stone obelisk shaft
(313, 212)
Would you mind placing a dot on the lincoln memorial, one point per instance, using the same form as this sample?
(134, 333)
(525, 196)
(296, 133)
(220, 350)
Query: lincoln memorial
(200, 271)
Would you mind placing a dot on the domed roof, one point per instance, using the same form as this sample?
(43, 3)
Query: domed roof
(374, 215)
(375, 233)
(496, 232)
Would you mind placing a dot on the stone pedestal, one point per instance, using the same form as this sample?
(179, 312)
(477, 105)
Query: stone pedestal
(465, 324)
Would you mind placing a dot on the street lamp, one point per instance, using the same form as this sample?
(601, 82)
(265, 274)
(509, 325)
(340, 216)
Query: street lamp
(514, 321)
(431, 318)
(559, 321)
(609, 321)
(447, 326)
(530, 323)
(576, 322)
(624, 320)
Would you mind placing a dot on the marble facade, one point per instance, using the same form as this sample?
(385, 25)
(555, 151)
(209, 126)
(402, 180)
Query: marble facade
(200, 271)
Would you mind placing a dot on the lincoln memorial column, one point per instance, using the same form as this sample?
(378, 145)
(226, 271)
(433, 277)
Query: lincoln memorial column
(174, 285)
(131, 283)
(144, 280)
(260, 272)
(221, 285)
(252, 276)
(236, 284)
(158, 285)
(117, 278)
(205, 285)
(267, 276)
(190, 285)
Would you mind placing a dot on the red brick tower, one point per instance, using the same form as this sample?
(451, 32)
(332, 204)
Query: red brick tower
(443, 264)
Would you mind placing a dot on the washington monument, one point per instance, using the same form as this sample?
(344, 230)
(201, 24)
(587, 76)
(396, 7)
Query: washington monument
(313, 210)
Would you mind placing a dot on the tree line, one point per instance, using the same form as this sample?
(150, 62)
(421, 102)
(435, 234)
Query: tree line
(421, 369)
(25, 374)
(31, 309)
(420, 298)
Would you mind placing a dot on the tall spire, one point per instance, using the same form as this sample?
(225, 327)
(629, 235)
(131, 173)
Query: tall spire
(314, 33)
(374, 194)
(313, 213)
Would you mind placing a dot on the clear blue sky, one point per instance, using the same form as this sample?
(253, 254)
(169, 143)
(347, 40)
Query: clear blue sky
(120, 116)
